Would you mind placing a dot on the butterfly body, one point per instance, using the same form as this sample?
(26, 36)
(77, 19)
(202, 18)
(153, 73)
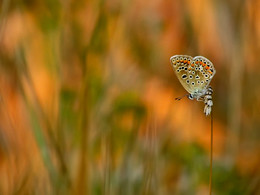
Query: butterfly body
(195, 75)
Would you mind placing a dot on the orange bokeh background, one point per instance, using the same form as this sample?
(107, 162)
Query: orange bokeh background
(87, 97)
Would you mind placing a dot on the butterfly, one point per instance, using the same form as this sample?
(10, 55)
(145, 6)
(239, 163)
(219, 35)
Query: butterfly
(195, 75)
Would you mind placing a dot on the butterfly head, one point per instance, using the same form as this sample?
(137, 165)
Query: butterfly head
(190, 97)
(197, 93)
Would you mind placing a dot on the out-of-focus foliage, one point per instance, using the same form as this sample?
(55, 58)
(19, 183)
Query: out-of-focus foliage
(87, 97)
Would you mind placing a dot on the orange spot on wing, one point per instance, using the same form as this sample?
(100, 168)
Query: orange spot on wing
(204, 64)
(196, 62)
(192, 64)
(207, 67)
(181, 60)
(185, 61)
(189, 68)
(188, 62)
(210, 72)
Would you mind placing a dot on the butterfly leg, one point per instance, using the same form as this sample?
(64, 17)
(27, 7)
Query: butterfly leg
(200, 99)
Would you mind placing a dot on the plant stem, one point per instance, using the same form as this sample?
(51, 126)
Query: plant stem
(211, 155)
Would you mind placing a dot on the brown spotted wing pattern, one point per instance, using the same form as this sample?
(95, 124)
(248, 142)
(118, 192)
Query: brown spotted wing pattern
(194, 74)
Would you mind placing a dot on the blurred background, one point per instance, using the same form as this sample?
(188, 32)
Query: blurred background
(87, 97)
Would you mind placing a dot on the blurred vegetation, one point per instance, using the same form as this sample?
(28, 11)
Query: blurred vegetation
(87, 97)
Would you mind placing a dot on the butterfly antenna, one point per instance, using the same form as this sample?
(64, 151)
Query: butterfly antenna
(179, 98)
(211, 154)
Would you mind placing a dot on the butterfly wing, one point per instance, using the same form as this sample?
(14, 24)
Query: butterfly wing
(194, 74)
(180, 64)
(206, 68)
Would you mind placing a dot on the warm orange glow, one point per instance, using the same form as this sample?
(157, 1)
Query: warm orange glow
(87, 97)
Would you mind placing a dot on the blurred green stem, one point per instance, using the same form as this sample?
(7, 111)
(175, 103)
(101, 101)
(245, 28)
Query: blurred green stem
(46, 124)
(82, 175)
